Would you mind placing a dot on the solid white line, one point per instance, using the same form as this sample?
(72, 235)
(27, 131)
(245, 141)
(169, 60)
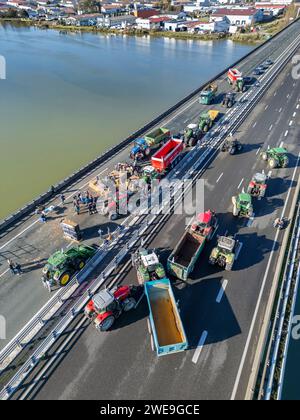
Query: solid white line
(258, 151)
(240, 184)
(220, 177)
(241, 367)
(6, 271)
(222, 291)
(200, 347)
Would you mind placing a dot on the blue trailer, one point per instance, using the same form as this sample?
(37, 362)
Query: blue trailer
(166, 325)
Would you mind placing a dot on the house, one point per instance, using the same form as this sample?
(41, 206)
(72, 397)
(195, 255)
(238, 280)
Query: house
(111, 9)
(155, 22)
(115, 21)
(239, 16)
(198, 26)
(175, 25)
(274, 8)
(82, 20)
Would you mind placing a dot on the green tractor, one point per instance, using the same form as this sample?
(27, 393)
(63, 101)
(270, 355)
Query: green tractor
(62, 265)
(276, 157)
(147, 266)
(206, 120)
(228, 100)
(224, 253)
(191, 135)
(242, 205)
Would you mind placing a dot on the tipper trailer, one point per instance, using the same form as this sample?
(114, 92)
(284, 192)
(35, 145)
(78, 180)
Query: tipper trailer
(168, 156)
(182, 261)
(166, 326)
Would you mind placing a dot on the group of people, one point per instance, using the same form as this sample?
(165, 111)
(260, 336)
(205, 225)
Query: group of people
(15, 268)
(86, 200)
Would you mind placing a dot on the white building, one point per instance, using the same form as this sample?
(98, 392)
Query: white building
(116, 21)
(239, 17)
(211, 27)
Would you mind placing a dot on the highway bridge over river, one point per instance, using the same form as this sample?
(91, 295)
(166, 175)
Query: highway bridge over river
(224, 330)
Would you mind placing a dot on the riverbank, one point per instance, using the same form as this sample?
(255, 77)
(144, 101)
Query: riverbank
(245, 38)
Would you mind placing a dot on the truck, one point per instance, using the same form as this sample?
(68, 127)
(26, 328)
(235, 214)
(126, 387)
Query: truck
(168, 156)
(236, 79)
(182, 260)
(168, 335)
(147, 265)
(207, 119)
(142, 147)
(208, 94)
(62, 265)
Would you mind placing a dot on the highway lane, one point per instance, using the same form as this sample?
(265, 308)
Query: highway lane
(120, 364)
(31, 243)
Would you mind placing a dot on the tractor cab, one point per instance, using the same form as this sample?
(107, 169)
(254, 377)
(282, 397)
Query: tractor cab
(242, 205)
(226, 244)
(148, 265)
(204, 224)
(150, 261)
(258, 185)
(104, 301)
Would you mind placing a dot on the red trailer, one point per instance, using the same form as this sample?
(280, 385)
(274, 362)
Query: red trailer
(234, 75)
(168, 156)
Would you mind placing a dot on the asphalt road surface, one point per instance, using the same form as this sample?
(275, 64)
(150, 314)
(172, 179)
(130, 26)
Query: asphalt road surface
(120, 364)
(30, 243)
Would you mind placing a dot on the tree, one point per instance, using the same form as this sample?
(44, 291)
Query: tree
(90, 6)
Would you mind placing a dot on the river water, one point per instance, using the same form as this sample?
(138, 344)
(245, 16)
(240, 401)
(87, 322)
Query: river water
(67, 97)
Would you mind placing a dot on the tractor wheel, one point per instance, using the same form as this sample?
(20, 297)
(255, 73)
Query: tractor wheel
(273, 163)
(264, 156)
(129, 304)
(212, 261)
(285, 163)
(64, 279)
(107, 323)
(113, 217)
(192, 142)
(205, 128)
(228, 267)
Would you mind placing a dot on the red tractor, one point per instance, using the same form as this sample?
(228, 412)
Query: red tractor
(205, 224)
(107, 306)
(258, 185)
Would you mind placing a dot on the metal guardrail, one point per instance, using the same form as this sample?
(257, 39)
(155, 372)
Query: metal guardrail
(222, 130)
(291, 272)
(43, 198)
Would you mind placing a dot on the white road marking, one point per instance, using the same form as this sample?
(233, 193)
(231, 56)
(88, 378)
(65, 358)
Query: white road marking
(258, 151)
(286, 133)
(240, 184)
(237, 254)
(275, 93)
(266, 107)
(255, 124)
(281, 144)
(87, 183)
(251, 220)
(241, 367)
(298, 106)
(222, 291)
(280, 110)
(271, 126)
(6, 271)
(288, 95)
(294, 114)
(218, 180)
(291, 123)
(200, 347)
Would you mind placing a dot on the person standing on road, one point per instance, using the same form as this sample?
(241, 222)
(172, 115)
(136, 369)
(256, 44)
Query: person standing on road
(18, 269)
(62, 199)
(77, 209)
(11, 266)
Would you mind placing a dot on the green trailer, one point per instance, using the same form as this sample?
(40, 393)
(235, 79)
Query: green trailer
(157, 136)
(182, 261)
